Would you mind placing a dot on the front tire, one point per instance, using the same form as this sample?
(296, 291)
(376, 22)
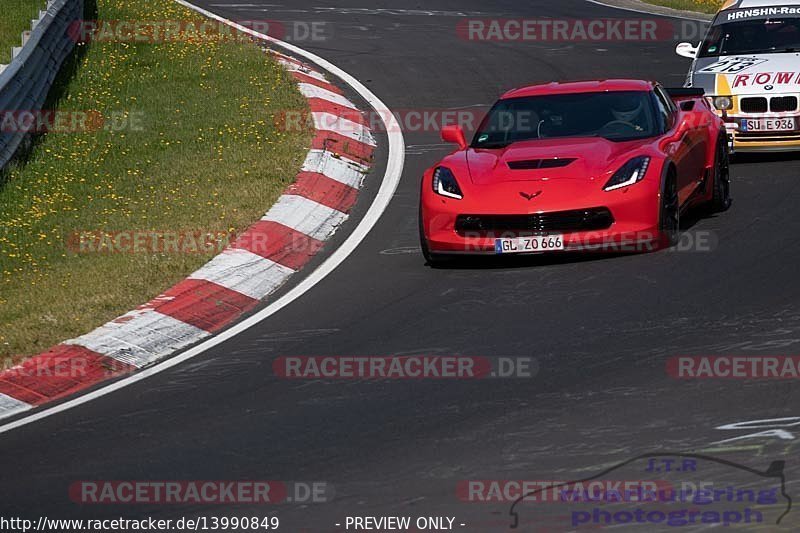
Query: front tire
(669, 212)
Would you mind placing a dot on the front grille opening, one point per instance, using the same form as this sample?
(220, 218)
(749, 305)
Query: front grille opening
(596, 218)
(535, 164)
(754, 105)
(780, 104)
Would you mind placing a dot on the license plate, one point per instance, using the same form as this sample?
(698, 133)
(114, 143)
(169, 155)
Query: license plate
(768, 124)
(518, 245)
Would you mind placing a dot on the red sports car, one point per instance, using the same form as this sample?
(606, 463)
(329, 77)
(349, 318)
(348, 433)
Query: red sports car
(598, 165)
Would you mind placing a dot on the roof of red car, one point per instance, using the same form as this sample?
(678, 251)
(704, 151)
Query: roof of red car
(580, 87)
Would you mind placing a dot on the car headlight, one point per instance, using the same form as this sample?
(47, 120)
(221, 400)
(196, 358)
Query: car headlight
(723, 103)
(631, 172)
(444, 183)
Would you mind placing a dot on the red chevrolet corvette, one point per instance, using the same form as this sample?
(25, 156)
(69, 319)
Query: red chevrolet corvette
(600, 165)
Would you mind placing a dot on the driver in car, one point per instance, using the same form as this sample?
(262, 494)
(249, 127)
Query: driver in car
(629, 112)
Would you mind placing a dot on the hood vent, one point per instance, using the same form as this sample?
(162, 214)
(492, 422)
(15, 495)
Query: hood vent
(536, 164)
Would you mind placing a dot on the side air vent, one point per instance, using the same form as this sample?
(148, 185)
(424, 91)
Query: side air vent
(535, 164)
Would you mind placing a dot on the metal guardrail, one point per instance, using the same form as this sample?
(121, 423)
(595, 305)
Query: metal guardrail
(25, 82)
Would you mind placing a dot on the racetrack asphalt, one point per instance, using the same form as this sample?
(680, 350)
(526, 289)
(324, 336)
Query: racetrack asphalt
(600, 328)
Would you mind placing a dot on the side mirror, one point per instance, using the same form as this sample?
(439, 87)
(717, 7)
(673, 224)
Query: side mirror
(454, 134)
(687, 50)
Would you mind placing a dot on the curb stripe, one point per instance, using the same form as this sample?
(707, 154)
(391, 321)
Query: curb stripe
(345, 146)
(62, 370)
(11, 406)
(344, 127)
(203, 304)
(318, 93)
(245, 272)
(279, 243)
(140, 337)
(306, 216)
(324, 190)
(338, 112)
(342, 170)
(302, 77)
(302, 69)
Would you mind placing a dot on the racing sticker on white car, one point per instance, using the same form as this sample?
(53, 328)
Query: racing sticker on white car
(765, 79)
(731, 65)
(757, 13)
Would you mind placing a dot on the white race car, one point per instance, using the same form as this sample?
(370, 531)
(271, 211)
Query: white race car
(749, 66)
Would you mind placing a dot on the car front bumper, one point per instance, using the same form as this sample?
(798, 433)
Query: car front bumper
(742, 141)
(633, 228)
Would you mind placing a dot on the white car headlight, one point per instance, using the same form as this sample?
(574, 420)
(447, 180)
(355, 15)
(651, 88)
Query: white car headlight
(723, 103)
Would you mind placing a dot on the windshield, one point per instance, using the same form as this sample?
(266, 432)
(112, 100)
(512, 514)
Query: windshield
(753, 36)
(617, 116)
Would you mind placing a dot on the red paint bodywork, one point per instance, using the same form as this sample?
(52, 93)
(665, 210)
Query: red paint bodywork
(490, 187)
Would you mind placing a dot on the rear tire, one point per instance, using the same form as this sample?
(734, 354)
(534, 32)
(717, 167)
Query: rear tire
(721, 185)
(669, 213)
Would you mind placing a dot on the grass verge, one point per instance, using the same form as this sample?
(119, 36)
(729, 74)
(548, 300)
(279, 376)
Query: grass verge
(188, 144)
(700, 6)
(16, 17)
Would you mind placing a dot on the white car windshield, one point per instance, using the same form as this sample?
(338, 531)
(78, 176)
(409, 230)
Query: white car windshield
(773, 35)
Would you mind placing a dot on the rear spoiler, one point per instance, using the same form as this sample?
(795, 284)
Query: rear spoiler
(685, 92)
